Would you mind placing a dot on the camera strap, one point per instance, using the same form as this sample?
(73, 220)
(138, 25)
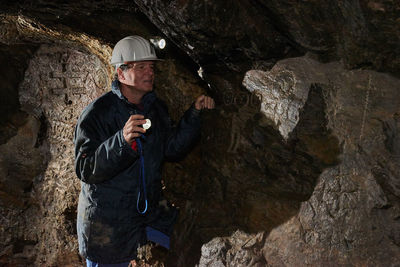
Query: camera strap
(142, 178)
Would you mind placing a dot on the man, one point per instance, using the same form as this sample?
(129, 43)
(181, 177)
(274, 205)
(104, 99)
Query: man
(119, 158)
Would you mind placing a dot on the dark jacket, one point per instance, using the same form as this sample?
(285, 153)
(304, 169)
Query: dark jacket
(109, 226)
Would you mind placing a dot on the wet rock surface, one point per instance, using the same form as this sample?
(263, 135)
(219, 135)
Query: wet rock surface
(298, 164)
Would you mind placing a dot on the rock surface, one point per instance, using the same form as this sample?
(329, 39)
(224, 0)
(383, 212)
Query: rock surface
(355, 204)
(58, 83)
(235, 35)
(299, 164)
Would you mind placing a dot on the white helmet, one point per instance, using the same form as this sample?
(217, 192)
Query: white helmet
(132, 48)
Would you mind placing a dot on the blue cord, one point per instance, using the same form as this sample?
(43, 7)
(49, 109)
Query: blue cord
(142, 180)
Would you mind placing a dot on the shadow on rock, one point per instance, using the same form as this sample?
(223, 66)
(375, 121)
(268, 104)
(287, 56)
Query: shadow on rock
(245, 176)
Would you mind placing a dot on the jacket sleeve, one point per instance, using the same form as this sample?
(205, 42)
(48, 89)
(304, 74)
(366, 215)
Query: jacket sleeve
(98, 160)
(182, 137)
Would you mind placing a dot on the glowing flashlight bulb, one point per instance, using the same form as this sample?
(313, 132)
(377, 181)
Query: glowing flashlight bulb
(161, 43)
(147, 125)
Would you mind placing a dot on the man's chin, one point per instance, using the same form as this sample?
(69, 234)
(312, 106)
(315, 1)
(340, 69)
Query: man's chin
(145, 87)
(148, 86)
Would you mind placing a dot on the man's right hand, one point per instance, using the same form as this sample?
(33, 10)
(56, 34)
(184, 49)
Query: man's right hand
(132, 129)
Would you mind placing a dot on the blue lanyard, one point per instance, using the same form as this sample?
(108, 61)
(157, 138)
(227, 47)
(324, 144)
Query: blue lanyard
(142, 180)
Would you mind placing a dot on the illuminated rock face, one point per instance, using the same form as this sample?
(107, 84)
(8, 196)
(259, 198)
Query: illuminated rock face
(58, 83)
(282, 95)
(355, 203)
(298, 164)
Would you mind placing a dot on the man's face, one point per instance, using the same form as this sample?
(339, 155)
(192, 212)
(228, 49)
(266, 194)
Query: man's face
(139, 75)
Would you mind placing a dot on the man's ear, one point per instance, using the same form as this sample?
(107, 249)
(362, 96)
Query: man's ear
(121, 76)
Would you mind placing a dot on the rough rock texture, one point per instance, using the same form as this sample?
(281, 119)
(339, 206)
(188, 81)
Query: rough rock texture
(355, 205)
(58, 83)
(282, 95)
(298, 165)
(240, 249)
(238, 34)
(330, 118)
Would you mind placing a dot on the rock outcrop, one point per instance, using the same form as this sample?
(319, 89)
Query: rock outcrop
(354, 205)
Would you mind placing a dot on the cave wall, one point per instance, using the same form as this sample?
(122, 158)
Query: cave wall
(58, 83)
(297, 165)
(355, 204)
(309, 173)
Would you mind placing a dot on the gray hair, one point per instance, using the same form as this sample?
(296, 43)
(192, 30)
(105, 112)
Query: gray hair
(123, 67)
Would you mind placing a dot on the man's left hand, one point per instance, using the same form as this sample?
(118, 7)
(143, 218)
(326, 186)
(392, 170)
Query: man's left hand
(204, 102)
